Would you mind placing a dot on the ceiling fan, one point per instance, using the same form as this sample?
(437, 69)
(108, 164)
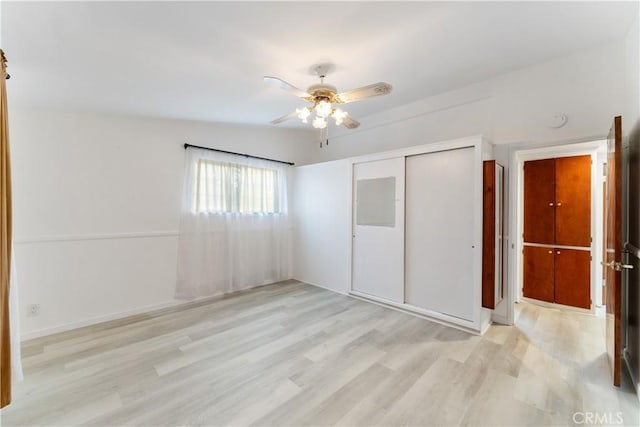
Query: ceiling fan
(323, 98)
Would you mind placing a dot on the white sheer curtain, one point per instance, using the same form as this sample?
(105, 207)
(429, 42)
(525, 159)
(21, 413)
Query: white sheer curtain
(234, 225)
(14, 322)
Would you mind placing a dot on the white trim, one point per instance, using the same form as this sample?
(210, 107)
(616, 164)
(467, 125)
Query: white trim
(497, 318)
(544, 245)
(432, 316)
(82, 237)
(101, 319)
(452, 144)
(323, 287)
(176, 304)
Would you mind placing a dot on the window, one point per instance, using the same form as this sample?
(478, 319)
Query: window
(222, 187)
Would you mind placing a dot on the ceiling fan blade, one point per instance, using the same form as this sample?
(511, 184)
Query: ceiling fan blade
(281, 84)
(375, 89)
(350, 123)
(284, 118)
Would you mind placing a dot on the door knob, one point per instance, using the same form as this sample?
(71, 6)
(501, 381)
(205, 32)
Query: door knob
(617, 266)
(558, 204)
(550, 204)
(620, 266)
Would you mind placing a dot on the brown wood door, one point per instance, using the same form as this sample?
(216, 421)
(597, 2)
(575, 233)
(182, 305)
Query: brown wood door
(632, 246)
(613, 244)
(573, 278)
(489, 234)
(573, 201)
(538, 273)
(539, 201)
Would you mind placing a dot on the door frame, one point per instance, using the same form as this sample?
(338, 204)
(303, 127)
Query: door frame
(516, 216)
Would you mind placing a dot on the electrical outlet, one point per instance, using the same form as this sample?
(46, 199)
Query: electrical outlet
(33, 310)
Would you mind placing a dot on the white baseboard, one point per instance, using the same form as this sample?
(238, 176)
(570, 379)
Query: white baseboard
(323, 287)
(176, 303)
(406, 310)
(99, 319)
(497, 318)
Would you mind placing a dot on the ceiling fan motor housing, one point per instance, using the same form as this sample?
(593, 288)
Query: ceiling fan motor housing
(323, 92)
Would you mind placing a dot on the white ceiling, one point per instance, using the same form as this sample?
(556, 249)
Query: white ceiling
(205, 60)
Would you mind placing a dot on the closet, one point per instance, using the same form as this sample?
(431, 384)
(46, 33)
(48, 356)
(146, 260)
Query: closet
(417, 230)
(557, 230)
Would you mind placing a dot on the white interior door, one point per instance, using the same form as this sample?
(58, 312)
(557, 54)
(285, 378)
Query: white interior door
(378, 228)
(439, 238)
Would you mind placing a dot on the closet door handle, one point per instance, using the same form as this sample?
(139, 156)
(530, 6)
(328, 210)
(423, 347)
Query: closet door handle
(558, 253)
(550, 252)
(558, 204)
(550, 204)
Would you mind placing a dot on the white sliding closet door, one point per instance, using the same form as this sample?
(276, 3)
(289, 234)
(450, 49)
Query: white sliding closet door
(439, 238)
(378, 228)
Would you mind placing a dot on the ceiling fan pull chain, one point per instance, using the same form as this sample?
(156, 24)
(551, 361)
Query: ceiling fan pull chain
(326, 142)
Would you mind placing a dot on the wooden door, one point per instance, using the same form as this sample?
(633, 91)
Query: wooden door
(613, 242)
(489, 234)
(632, 350)
(539, 201)
(572, 278)
(538, 273)
(573, 201)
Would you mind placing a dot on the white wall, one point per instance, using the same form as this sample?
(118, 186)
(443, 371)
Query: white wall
(322, 248)
(588, 86)
(632, 77)
(96, 196)
(96, 206)
(511, 110)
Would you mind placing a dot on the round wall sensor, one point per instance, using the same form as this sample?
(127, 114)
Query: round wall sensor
(558, 121)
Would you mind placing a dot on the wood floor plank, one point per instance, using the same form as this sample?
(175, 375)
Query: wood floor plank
(294, 354)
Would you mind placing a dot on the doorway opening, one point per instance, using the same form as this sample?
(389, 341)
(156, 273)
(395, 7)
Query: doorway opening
(596, 150)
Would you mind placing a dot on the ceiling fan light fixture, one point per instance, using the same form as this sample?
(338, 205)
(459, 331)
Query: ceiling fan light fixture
(321, 98)
(323, 109)
(303, 113)
(339, 116)
(319, 122)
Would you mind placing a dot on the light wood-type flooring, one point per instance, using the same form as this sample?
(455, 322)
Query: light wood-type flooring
(294, 354)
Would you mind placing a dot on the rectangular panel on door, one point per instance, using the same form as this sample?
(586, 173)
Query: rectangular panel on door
(538, 273)
(573, 277)
(439, 237)
(539, 201)
(573, 201)
(378, 228)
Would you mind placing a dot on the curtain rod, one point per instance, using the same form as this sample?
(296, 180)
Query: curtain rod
(237, 154)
